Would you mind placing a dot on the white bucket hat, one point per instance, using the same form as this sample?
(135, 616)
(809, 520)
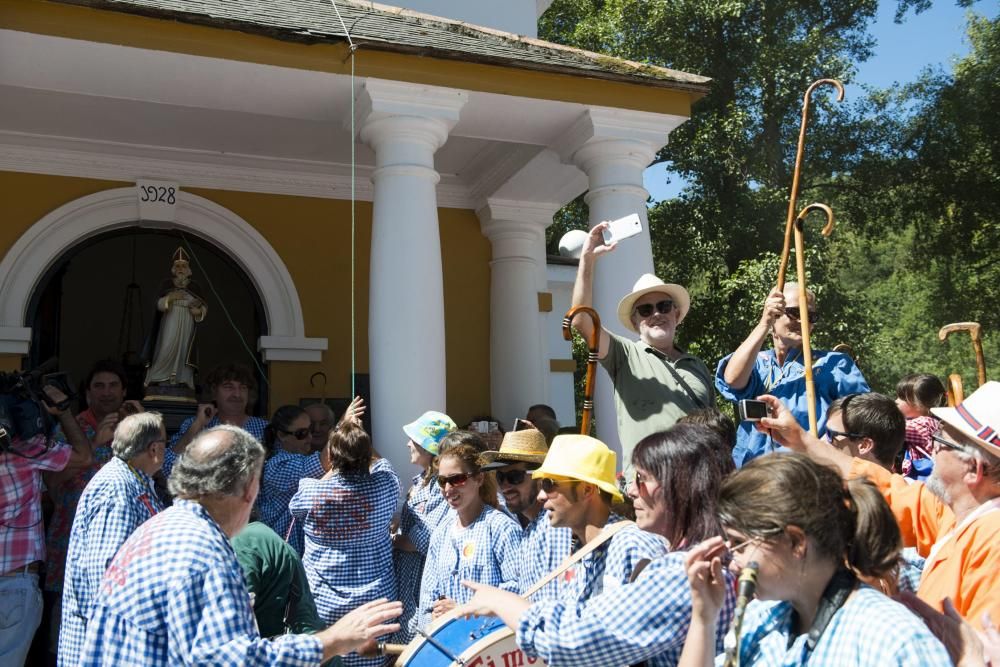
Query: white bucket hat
(978, 417)
(647, 284)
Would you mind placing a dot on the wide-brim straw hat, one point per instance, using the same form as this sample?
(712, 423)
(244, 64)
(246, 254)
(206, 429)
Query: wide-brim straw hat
(527, 446)
(582, 458)
(977, 417)
(647, 284)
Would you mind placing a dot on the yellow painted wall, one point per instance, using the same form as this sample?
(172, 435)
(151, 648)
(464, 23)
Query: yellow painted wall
(312, 236)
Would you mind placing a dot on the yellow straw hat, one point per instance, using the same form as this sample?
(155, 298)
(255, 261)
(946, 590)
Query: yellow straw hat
(527, 446)
(582, 458)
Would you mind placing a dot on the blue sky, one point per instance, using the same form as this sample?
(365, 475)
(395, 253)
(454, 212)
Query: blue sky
(935, 38)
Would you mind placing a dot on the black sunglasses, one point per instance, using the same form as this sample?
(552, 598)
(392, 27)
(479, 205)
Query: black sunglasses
(662, 307)
(514, 477)
(550, 485)
(834, 433)
(455, 480)
(298, 434)
(795, 314)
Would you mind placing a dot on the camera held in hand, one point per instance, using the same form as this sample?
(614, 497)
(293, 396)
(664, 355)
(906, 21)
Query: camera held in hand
(22, 403)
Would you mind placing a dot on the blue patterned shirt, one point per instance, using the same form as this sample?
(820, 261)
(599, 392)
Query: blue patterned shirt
(278, 483)
(834, 375)
(870, 629)
(647, 620)
(543, 548)
(116, 501)
(174, 594)
(253, 425)
(486, 552)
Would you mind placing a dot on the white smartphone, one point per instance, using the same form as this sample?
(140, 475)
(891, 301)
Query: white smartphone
(622, 228)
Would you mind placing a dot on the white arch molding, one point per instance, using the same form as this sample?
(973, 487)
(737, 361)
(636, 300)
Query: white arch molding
(44, 243)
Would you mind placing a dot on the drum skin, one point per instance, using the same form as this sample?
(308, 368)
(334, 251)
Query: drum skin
(481, 641)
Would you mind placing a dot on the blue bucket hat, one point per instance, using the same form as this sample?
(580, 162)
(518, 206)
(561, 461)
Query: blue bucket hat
(429, 429)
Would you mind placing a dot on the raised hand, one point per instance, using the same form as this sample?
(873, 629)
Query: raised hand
(708, 584)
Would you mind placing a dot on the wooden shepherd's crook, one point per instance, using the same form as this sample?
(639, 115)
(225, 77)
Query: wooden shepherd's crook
(800, 265)
(975, 332)
(593, 346)
(793, 198)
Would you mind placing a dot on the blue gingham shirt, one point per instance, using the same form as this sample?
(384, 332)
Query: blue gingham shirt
(253, 425)
(609, 565)
(115, 502)
(486, 552)
(647, 619)
(870, 629)
(834, 374)
(278, 483)
(543, 548)
(174, 594)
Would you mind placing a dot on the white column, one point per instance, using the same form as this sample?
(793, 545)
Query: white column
(613, 148)
(405, 124)
(518, 365)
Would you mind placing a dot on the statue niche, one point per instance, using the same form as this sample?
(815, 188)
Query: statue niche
(170, 372)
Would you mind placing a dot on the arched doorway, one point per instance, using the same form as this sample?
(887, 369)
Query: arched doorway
(97, 301)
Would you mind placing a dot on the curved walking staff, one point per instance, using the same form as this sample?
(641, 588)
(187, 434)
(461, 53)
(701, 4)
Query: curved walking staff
(799, 152)
(975, 332)
(800, 265)
(593, 347)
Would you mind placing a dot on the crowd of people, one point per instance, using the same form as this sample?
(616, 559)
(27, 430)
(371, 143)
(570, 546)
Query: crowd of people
(290, 540)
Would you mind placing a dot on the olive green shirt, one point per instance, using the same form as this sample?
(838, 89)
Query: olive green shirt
(650, 391)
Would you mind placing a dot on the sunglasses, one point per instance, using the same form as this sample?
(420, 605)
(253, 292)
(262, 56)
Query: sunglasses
(662, 307)
(298, 434)
(514, 477)
(455, 480)
(550, 485)
(796, 314)
(832, 433)
(947, 444)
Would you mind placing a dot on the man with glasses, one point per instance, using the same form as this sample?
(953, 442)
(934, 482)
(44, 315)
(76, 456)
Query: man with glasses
(116, 501)
(750, 371)
(954, 518)
(543, 547)
(655, 382)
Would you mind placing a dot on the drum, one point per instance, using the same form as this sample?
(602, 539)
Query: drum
(454, 641)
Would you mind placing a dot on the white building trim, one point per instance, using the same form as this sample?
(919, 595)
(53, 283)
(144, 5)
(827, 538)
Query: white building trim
(44, 243)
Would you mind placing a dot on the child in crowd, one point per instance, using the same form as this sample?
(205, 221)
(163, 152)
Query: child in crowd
(916, 394)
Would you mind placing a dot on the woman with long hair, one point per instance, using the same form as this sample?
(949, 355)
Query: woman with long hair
(345, 518)
(289, 459)
(811, 536)
(678, 473)
(478, 542)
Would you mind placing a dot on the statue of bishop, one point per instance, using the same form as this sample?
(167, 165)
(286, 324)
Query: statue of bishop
(179, 310)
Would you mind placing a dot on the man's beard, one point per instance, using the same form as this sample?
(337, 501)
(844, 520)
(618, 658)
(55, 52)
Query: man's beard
(936, 486)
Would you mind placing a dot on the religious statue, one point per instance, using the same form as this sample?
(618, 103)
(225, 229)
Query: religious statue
(179, 309)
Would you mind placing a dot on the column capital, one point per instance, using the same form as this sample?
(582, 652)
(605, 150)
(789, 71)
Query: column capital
(424, 110)
(503, 218)
(638, 134)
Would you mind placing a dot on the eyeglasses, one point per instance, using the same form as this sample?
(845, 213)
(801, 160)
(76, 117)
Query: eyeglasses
(455, 480)
(662, 307)
(514, 477)
(298, 434)
(640, 480)
(947, 444)
(832, 433)
(796, 314)
(550, 485)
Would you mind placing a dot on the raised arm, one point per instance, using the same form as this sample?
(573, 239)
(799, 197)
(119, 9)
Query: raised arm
(785, 429)
(83, 453)
(737, 372)
(583, 288)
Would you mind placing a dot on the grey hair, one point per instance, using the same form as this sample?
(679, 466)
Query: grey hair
(326, 409)
(136, 433)
(219, 462)
(991, 464)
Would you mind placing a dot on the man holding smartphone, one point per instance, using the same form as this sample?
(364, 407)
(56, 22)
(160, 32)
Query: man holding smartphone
(655, 382)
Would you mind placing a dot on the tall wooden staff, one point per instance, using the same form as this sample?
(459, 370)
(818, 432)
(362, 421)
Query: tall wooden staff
(956, 394)
(800, 266)
(593, 347)
(793, 198)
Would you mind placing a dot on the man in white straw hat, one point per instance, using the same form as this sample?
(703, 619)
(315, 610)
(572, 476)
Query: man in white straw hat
(655, 383)
(953, 520)
(543, 546)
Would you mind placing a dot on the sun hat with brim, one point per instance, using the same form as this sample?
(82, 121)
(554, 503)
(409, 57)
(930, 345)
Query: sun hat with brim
(647, 284)
(582, 458)
(429, 430)
(978, 417)
(527, 446)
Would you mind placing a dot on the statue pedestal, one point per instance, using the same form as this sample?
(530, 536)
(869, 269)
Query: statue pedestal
(175, 402)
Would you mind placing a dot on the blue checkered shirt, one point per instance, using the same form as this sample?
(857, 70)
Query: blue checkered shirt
(543, 548)
(645, 620)
(348, 558)
(486, 552)
(870, 629)
(609, 565)
(278, 483)
(254, 426)
(116, 501)
(174, 594)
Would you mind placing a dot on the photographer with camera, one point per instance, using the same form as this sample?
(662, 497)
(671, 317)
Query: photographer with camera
(26, 451)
